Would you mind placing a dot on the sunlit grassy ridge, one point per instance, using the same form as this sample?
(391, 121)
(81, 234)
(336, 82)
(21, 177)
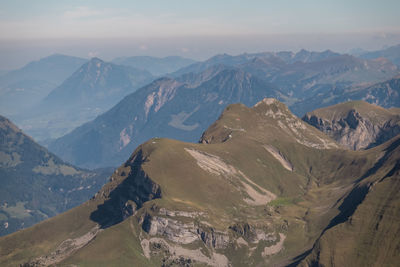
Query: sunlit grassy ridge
(227, 200)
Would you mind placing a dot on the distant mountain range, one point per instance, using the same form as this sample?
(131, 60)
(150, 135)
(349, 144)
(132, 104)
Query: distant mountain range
(304, 81)
(182, 105)
(91, 90)
(176, 108)
(24, 87)
(36, 184)
(263, 188)
(156, 66)
(385, 94)
(391, 53)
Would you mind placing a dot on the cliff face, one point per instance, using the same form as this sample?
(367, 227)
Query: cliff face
(356, 125)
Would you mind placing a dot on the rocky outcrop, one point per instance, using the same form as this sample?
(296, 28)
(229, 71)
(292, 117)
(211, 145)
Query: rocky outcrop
(128, 189)
(356, 129)
(179, 232)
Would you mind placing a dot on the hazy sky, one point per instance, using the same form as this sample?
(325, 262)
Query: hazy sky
(30, 29)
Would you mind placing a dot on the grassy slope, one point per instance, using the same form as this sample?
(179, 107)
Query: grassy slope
(307, 197)
(373, 112)
(370, 235)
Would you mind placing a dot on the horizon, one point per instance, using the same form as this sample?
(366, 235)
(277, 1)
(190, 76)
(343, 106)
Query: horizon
(190, 29)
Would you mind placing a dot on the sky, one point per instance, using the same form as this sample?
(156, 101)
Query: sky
(31, 29)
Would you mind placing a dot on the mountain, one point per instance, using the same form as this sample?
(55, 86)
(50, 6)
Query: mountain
(357, 124)
(26, 86)
(385, 94)
(263, 188)
(35, 184)
(94, 88)
(391, 53)
(175, 108)
(156, 66)
(302, 80)
(305, 74)
(365, 231)
(97, 83)
(183, 107)
(306, 56)
(285, 56)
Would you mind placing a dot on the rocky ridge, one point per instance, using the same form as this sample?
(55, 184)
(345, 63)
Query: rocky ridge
(356, 125)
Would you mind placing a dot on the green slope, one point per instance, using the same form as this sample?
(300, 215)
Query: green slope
(35, 184)
(260, 189)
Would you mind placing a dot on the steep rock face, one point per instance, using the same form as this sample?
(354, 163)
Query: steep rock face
(128, 189)
(356, 125)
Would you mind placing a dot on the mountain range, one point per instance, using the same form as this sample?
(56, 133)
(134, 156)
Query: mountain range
(91, 90)
(391, 53)
(262, 188)
(156, 66)
(36, 184)
(22, 88)
(182, 105)
(176, 108)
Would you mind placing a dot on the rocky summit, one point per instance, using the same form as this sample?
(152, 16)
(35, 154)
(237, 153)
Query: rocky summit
(356, 125)
(261, 188)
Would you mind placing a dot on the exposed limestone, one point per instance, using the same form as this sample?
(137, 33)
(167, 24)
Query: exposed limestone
(253, 234)
(213, 239)
(184, 233)
(177, 213)
(355, 130)
(256, 197)
(213, 164)
(293, 125)
(274, 248)
(65, 249)
(173, 230)
(177, 252)
(241, 242)
(278, 155)
(267, 101)
(165, 93)
(125, 137)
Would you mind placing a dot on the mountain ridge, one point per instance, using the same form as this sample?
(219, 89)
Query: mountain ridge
(36, 184)
(231, 201)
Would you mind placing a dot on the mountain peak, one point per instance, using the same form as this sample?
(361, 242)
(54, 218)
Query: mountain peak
(264, 122)
(268, 102)
(356, 124)
(96, 61)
